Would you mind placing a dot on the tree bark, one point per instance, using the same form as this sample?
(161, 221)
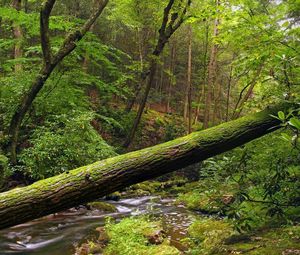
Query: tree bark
(143, 75)
(189, 82)
(18, 52)
(211, 73)
(228, 92)
(104, 177)
(171, 76)
(202, 92)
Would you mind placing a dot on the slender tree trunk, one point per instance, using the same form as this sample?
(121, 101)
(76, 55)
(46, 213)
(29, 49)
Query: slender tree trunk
(23, 109)
(211, 74)
(228, 93)
(142, 104)
(88, 183)
(25, 6)
(202, 92)
(217, 104)
(171, 73)
(86, 61)
(143, 76)
(18, 52)
(242, 100)
(189, 82)
(189, 74)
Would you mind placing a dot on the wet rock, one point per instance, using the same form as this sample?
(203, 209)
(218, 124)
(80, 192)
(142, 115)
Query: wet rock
(89, 248)
(227, 199)
(116, 196)
(291, 252)
(157, 237)
(238, 238)
(102, 206)
(83, 250)
(103, 236)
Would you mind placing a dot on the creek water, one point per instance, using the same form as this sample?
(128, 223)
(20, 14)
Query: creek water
(60, 233)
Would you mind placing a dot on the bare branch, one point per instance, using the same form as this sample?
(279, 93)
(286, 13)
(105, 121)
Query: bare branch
(69, 43)
(44, 30)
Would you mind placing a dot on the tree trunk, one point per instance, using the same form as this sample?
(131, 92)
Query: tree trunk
(170, 24)
(138, 86)
(171, 74)
(104, 177)
(189, 75)
(189, 81)
(143, 104)
(228, 92)
(23, 108)
(217, 103)
(202, 92)
(18, 52)
(211, 74)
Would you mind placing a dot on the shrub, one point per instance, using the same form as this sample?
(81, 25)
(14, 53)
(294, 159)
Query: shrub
(66, 143)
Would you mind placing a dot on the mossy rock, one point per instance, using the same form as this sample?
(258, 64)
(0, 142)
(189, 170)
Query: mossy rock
(139, 236)
(114, 196)
(89, 248)
(102, 206)
(208, 236)
(203, 202)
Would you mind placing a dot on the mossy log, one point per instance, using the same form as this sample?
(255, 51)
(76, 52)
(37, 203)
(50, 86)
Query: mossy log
(90, 182)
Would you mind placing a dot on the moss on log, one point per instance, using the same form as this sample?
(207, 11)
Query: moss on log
(90, 182)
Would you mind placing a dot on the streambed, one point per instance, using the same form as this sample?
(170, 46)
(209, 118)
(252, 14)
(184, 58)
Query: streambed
(59, 234)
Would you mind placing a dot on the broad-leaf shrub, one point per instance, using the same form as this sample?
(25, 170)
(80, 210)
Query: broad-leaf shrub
(63, 144)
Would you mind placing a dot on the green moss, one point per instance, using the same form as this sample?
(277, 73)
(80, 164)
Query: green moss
(276, 241)
(102, 206)
(89, 248)
(130, 237)
(155, 188)
(121, 171)
(207, 236)
(206, 196)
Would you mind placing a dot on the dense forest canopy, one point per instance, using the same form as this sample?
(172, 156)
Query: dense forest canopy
(223, 54)
(82, 81)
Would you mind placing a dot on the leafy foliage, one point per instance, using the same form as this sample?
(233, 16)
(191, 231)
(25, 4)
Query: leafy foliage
(62, 144)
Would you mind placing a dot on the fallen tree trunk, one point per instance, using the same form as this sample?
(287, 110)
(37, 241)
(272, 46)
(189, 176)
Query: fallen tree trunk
(104, 177)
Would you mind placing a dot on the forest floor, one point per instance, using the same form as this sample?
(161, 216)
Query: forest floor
(208, 233)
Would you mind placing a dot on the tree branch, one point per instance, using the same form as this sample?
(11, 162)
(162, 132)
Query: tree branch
(166, 17)
(69, 43)
(182, 17)
(44, 30)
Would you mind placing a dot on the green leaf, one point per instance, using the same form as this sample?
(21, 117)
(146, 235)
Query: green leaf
(295, 122)
(286, 137)
(281, 115)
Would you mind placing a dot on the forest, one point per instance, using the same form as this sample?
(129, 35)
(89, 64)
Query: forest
(133, 127)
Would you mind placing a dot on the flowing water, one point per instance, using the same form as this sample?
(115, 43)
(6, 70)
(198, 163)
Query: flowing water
(60, 233)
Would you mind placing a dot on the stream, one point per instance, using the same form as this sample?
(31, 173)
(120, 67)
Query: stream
(60, 233)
